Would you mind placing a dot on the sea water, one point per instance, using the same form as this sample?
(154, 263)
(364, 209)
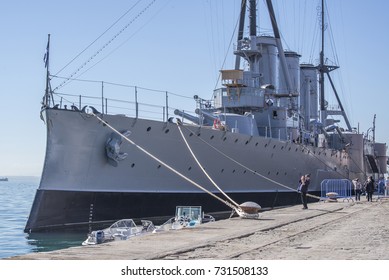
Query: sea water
(16, 197)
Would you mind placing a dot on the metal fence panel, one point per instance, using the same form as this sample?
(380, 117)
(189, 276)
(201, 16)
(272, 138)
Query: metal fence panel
(343, 188)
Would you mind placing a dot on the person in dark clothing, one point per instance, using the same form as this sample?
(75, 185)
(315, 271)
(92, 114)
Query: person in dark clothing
(370, 188)
(304, 183)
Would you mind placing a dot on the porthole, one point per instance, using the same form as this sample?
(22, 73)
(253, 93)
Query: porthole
(236, 140)
(132, 165)
(222, 171)
(190, 134)
(256, 144)
(190, 168)
(225, 138)
(167, 131)
(159, 166)
(149, 128)
(212, 137)
(247, 142)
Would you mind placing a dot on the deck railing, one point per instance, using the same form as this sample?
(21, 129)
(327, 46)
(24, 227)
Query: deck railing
(126, 100)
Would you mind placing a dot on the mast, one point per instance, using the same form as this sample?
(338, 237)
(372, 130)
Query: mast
(46, 59)
(321, 67)
(326, 69)
(253, 18)
(240, 32)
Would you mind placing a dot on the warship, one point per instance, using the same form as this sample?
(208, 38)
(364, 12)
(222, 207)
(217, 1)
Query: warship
(266, 125)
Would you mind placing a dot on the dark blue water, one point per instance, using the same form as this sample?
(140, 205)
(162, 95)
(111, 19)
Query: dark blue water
(16, 197)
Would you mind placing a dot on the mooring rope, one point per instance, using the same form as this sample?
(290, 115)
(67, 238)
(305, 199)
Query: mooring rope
(249, 169)
(236, 208)
(202, 168)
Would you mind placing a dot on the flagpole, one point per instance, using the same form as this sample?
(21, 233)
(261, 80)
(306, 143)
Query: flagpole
(46, 59)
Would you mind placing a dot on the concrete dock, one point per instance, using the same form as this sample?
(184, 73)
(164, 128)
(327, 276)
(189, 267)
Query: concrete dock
(327, 230)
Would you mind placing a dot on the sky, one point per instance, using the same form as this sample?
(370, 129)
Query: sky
(171, 45)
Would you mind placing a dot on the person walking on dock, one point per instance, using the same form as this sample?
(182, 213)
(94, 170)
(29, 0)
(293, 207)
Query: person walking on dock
(370, 188)
(304, 183)
(357, 189)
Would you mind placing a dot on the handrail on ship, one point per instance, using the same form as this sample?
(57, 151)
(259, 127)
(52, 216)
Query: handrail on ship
(141, 103)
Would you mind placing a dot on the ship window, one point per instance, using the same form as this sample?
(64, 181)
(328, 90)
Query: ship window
(247, 142)
(236, 140)
(149, 128)
(167, 131)
(159, 166)
(256, 144)
(198, 134)
(233, 171)
(190, 167)
(191, 134)
(132, 165)
(222, 171)
(275, 114)
(212, 137)
(225, 138)
(244, 171)
(274, 146)
(277, 173)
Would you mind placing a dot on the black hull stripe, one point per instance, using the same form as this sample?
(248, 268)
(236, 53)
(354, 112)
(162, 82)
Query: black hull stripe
(80, 211)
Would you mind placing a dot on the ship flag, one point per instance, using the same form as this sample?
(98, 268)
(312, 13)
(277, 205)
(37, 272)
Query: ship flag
(46, 56)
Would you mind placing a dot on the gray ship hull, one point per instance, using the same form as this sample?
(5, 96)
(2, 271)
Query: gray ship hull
(80, 188)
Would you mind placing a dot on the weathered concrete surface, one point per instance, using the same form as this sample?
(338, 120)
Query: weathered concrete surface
(336, 230)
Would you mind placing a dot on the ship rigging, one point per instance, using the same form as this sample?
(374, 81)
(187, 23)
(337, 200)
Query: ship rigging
(263, 128)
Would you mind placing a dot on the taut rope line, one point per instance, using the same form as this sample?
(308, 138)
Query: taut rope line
(237, 209)
(249, 169)
(202, 168)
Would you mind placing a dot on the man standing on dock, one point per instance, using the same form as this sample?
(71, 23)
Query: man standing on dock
(304, 181)
(370, 188)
